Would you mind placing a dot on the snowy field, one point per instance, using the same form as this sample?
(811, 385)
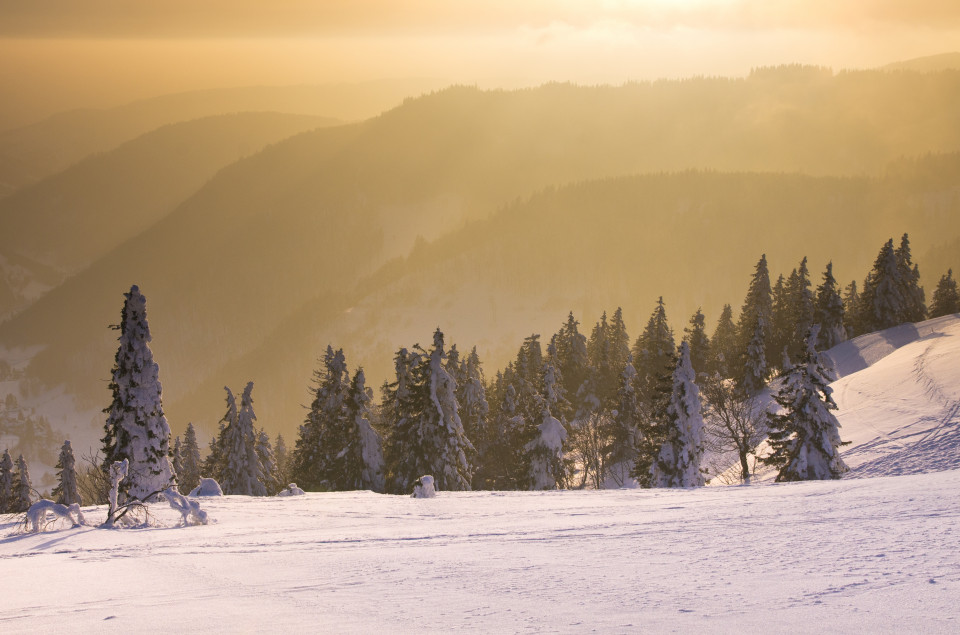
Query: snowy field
(878, 555)
(878, 551)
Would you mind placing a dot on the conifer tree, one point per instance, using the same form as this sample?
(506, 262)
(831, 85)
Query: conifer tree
(280, 453)
(272, 483)
(829, 312)
(22, 487)
(6, 482)
(215, 464)
(802, 309)
(945, 300)
(804, 435)
(189, 476)
(66, 491)
(546, 464)
(571, 361)
(474, 409)
(177, 459)
(627, 421)
(753, 330)
(851, 310)
(780, 327)
(136, 428)
(654, 358)
(244, 474)
(881, 300)
(696, 336)
(402, 450)
(678, 462)
(364, 448)
(319, 461)
(723, 344)
(908, 277)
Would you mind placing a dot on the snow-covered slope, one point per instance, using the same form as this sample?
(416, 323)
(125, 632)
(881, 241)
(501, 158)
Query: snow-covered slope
(869, 555)
(899, 398)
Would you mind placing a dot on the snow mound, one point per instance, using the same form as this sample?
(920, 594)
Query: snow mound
(423, 488)
(207, 487)
(291, 490)
(899, 399)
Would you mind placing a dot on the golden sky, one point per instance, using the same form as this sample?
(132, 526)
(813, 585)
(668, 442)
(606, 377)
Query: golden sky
(58, 54)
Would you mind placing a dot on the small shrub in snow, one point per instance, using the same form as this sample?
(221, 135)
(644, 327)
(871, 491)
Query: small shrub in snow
(423, 488)
(190, 511)
(207, 487)
(291, 490)
(38, 516)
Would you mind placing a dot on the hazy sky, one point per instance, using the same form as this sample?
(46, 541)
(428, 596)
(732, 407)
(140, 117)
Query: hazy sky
(58, 54)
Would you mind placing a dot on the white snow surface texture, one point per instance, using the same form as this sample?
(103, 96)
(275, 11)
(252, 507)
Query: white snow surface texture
(875, 554)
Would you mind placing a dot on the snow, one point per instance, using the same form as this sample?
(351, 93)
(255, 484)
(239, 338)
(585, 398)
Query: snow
(207, 487)
(867, 555)
(423, 488)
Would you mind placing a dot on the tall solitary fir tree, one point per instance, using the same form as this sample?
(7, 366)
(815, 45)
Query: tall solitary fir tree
(805, 434)
(66, 491)
(136, 428)
(678, 462)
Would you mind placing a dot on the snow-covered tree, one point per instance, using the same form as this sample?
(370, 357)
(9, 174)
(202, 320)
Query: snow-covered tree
(851, 310)
(753, 327)
(320, 457)
(779, 329)
(829, 312)
(402, 451)
(22, 487)
(283, 463)
(802, 310)
(243, 473)
(654, 358)
(946, 300)
(805, 434)
(472, 397)
(678, 463)
(881, 302)
(696, 336)
(571, 361)
(136, 428)
(66, 491)
(6, 482)
(177, 457)
(723, 344)
(188, 476)
(272, 482)
(365, 467)
(627, 422)
(547, 470)
(753, 376)
(908, 276)
(215, 464)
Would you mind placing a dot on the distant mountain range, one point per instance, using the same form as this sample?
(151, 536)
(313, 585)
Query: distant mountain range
(488, 213)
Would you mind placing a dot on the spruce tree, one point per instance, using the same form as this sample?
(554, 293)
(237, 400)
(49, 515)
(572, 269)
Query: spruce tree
(851, 310)
(177, 460)
(753, 331)
(945, 300)
(189, 476)
(364, 448)
(654, 358)
(474, 409)
(829, 313)
(243, 474)
(678, 462)
(215, 465)
(402, 451)
(283, 465)
(804, 435)
(22, 488)
(627, 421)
(802, 308)
(6, 482)
(723, 344)
(136, 428)
(546, 465)
(780, 327)
(571, 361)
(66, 491)
(908, 277)
(272, 483)
(881, 302)
(319, 461)
(696, 336)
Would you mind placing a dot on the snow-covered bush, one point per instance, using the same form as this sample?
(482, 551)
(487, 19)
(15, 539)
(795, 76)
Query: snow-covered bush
(291, 490)
(207, 487)
(190, 511)
(423, 488)
(38, 514)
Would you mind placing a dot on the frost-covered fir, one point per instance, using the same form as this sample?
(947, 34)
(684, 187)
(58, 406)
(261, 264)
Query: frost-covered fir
(189, 475)
(805, 434)
(243, 473)
(321, 454)
(6, 482)
(627, 422)
(136, 428)
(177, 459)
(66, 492)
(271, 473)
(829, 312)
(546, 450)
(678, 463)
(428, 436)
(368, 457)
(945, 300)
(22, 487)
